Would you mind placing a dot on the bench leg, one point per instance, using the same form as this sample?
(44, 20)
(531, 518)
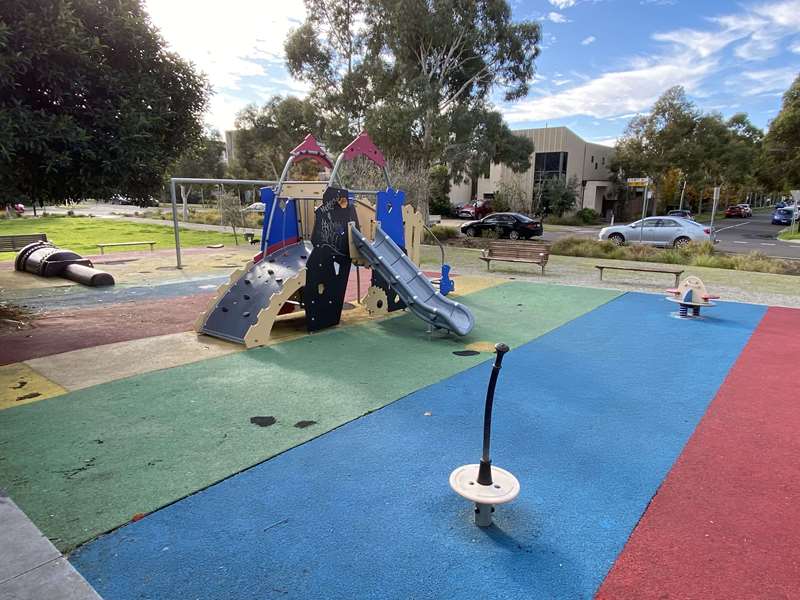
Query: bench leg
(601, 274)
(101, 250)
(677, 278)
(488, 265)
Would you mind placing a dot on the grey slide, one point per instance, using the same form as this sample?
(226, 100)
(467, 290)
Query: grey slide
(410, 283)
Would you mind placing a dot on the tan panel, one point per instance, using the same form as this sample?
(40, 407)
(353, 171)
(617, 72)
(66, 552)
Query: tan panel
(258, 334)
(413, 232)
(307, 217)
(306, 189)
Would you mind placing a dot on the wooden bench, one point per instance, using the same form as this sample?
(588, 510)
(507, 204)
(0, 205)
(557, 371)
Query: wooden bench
(12, 243)
(676, 272)
(535, 253)
(102, 246)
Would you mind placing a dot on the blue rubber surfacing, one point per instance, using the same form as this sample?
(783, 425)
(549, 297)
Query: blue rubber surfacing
(589, 417)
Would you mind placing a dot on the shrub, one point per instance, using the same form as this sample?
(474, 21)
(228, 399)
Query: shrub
(442, 232)
(696, 255)
(588, 216)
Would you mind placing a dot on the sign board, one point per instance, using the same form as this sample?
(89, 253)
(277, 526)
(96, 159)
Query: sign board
(638, 182)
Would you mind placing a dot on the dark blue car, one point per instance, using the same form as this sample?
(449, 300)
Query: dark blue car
(782, 216)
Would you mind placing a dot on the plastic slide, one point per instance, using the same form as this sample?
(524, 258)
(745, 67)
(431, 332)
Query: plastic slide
(411, 284)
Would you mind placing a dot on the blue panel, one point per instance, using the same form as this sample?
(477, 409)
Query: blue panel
(589, 417)
(284, 222)
(389, 212)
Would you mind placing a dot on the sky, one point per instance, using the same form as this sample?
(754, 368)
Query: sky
(601, 61)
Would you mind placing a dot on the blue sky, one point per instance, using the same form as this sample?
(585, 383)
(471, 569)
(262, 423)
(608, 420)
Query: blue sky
(601, 61)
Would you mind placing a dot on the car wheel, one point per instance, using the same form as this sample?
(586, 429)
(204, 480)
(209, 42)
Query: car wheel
(513, 235)
(617, 239)
(471, 231)
(682, 242)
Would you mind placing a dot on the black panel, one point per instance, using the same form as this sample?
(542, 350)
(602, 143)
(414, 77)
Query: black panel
(326, 283)
(331, 219)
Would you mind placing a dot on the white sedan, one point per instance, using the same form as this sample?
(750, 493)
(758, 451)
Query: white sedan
(658, 231)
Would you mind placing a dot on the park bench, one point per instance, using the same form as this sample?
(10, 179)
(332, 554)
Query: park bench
(676, 272)
(12, 243)
(102, 246)
(535, 253)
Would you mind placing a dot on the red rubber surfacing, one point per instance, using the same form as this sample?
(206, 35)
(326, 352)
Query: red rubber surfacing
(726, 521)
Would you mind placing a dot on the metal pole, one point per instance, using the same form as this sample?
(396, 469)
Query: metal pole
(714, 210)
(175, 226)
(682, 192)
(485, 469)
(358, 284)
(644, 212)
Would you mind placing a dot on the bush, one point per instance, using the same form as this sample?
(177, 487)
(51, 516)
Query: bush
(440, 206)
(442, 233)
(588, 216)
(695, 255)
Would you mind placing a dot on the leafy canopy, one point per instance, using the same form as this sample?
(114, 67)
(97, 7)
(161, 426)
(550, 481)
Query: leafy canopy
(418, 75)
(91, 104)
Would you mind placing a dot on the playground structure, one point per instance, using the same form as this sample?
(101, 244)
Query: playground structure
(691, 294)
(47, 260)
(313, 233)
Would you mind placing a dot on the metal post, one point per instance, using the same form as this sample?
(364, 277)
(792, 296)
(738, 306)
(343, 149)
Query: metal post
(358, 284)
(485, 469)
(682, 192)
(714, 210)
(175, 225)
(644, 212)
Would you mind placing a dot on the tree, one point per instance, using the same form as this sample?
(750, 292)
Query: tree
(782, 143)
(202, 160)
(559, 196)
(265, 135)
(411, 69)
(440, 190)
(91, 103)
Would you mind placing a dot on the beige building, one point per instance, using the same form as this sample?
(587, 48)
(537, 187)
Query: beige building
(557, 152)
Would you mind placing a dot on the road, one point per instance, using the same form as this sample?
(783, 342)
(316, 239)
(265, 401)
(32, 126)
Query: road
(754, 234)
(735, 235)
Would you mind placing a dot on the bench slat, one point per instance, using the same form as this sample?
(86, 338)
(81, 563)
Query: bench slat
(9, 243)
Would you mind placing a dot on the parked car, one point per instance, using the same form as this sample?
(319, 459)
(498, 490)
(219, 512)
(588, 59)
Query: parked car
(475, 210)
(748, 212)
(782, 216)
(780, 204)
(735, 211)
(658, 231)
(508, 225)
(466, 211)
(684, 213)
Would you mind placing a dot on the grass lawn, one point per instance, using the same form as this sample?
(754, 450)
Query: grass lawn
(788, 235)
(82, 234)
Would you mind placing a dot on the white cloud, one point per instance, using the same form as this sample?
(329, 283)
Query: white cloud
(588, 40)
(238, 41)
(795, 47)
(615, 93)
(606, 141)
(562, 4)
(556, 17)
(768, 80)
(689, 58)
(560, 82)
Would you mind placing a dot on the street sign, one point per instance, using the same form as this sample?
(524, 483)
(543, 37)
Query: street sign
(638, 182)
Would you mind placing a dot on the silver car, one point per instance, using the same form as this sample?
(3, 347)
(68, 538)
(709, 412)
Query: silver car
(658, 231)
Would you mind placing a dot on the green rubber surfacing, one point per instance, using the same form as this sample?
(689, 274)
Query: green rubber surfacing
(87, 462)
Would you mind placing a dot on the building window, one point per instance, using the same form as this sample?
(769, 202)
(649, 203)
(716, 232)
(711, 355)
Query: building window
(547, 165)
